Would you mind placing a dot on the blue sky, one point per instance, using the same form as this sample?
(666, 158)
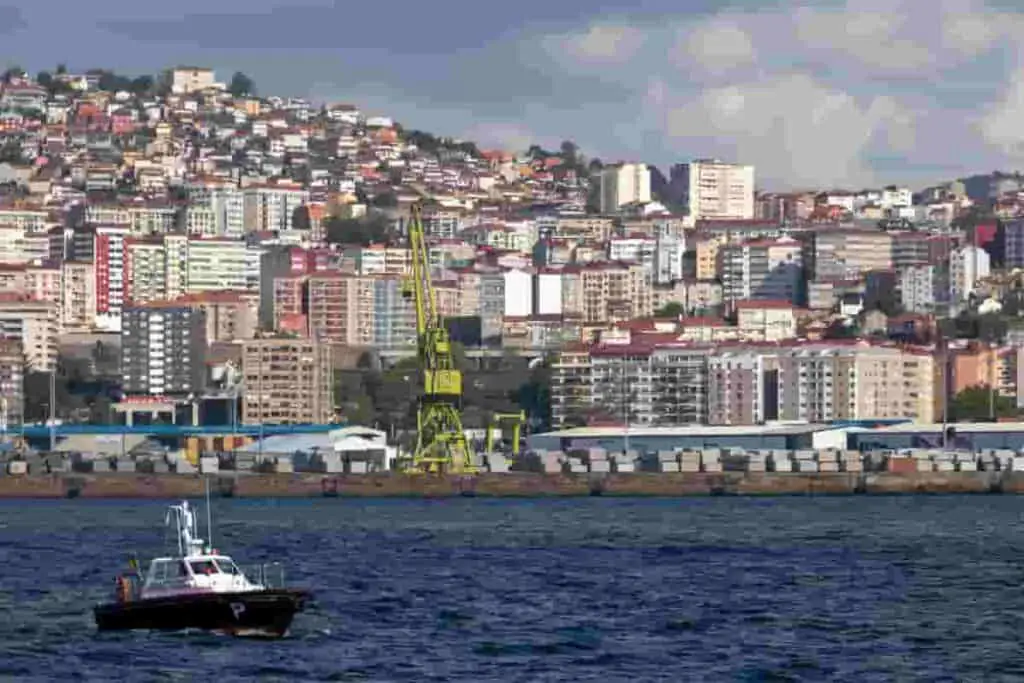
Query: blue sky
(840, 93)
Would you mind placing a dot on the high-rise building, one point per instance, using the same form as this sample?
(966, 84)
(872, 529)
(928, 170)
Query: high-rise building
(624, 184)
(762, 270)
(34, 323)
(841, 254)
(12, 384)
(968, 265)
(287, 381)
(713, 190)
(163, 349)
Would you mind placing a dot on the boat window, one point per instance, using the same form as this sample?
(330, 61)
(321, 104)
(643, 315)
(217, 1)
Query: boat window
(200, 567)
(227, 566)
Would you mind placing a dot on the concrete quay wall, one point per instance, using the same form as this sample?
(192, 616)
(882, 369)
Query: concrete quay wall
(171, 486)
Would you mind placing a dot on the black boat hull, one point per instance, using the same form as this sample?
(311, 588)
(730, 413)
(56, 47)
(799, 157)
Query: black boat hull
(266, 613)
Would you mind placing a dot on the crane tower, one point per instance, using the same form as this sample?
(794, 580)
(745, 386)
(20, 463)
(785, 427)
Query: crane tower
(441, 444)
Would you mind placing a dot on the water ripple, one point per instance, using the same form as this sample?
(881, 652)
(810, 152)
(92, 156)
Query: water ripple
(592, 589)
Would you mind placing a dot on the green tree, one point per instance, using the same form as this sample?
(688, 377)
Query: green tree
(673, 309)
(371, 229)
(980, 403)
(386, 200)
(300, 218)
(241, 85)
(44, 79)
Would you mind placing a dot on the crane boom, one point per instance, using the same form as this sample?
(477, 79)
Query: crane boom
(441, 444)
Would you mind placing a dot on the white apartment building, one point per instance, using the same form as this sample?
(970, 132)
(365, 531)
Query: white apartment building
(624, 184)
(713, 190)
(217, 209)
(924, 289)
(968, 264)
(189, 79)
(222, 264)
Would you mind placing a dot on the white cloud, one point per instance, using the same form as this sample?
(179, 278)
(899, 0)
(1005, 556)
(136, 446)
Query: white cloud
(601, 43)
(812, 95)
(794, 129)
(718, 46)
(1002, 125)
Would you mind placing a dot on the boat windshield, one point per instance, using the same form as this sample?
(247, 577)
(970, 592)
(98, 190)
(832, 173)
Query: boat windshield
(227, 566)
(200, 567)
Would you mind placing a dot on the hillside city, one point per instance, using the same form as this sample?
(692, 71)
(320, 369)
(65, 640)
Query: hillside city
(180, 241)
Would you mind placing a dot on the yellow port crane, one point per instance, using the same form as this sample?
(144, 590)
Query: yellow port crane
(441, 444)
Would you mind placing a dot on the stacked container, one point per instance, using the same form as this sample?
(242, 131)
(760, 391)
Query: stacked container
(852, 461)
(689, 461)
(828, 461)
(781, 461)
(757, 462)
(624, 462)
(711, 461)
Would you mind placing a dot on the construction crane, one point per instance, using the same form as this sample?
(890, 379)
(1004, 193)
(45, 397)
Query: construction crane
(441, 444)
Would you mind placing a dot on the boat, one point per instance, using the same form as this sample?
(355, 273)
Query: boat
(201, 588)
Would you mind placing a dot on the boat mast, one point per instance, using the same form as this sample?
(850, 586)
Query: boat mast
(189, 542)
(209, 518)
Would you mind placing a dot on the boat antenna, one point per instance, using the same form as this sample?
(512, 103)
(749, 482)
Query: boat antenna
(209, 522)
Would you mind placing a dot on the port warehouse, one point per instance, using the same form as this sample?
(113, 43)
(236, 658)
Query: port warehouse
(860, 436)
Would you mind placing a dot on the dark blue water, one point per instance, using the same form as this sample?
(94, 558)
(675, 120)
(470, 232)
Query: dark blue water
(856, 589)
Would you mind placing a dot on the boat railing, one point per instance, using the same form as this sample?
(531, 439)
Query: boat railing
(268, 575)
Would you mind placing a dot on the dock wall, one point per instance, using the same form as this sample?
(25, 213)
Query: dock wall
(513, 484)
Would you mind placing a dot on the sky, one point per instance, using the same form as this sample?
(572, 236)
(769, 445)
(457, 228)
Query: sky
(825, 94)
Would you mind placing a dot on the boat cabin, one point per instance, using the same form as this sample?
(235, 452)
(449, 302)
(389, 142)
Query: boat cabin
(203, 573)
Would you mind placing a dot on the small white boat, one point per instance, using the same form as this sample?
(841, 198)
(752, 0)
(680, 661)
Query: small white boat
(200, 588)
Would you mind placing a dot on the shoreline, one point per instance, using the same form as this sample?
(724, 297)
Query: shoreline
(505, 485)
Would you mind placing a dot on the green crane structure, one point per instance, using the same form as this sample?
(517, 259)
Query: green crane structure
(441, 444)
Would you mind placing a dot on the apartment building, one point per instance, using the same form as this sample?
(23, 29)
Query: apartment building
(228, 316)
(12, 384)
(190, 79)
(220, 264)
(611, 292)
(156, 269)
(843, 254)
(216, 209)
(34, 323)
(924, 289)
(624, 184)
(163, 349)
(762, 270)
(711, 189)
(78, 296)
(105, 248)
(642, 384)
(18, 246)
(820, 383)
(287, 381)
(271, 208)
(967, 266)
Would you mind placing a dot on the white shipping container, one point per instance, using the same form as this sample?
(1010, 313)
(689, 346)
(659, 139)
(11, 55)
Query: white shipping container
(782, 465)
(688, 467)
(713, 467)
(945, 466)
(804, 465)
(827, 456)
(828, 467)
(625, 467)
(669, 467)
(209, 464)
(17, 467)
(925, 466)
(1017, 464)
(600, 466)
